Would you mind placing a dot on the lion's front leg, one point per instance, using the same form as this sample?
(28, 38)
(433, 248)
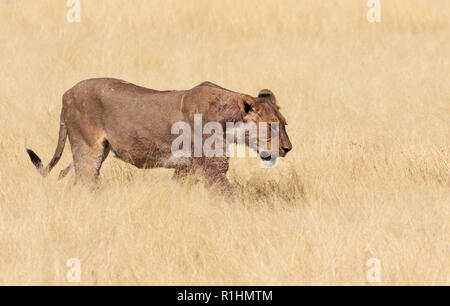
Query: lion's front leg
(182, 173)
(213, 171)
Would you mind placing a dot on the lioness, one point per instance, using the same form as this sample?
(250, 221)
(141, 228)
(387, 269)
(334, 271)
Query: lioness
(103, 115)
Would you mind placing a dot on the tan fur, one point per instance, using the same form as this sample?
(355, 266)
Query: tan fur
(103, 115)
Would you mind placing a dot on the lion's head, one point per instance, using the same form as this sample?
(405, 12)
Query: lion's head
(265, 109)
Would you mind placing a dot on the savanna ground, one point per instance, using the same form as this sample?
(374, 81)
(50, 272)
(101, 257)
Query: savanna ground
(368, 107)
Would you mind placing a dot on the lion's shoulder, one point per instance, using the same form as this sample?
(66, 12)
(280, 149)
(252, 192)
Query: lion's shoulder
(213, 85)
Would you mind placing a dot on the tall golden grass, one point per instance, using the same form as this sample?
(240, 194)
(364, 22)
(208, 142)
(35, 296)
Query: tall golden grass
(368, 107)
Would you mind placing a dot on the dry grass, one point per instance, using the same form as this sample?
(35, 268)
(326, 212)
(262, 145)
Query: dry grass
(368, 107)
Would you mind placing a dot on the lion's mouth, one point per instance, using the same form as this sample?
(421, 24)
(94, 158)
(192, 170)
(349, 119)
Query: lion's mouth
(265, 156)
(268, 161)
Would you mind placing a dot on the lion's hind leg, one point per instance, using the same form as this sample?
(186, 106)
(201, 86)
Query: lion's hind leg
(66, 171)
(88, 160)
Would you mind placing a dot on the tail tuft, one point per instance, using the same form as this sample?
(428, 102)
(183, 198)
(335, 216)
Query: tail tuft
(35, 159)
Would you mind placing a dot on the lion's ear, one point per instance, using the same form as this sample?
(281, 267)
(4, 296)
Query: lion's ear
(248, 104)
(268, 94)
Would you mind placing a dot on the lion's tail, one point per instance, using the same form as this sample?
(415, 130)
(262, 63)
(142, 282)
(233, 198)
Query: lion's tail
(59, 150)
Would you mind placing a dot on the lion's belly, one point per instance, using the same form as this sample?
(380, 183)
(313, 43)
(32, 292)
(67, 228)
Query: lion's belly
(138, 151)
(145, 153)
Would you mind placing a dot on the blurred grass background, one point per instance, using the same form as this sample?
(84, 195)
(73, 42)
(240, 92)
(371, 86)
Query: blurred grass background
(368, 108)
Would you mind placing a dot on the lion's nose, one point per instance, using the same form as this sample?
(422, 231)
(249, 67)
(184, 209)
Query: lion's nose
(286, 149)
